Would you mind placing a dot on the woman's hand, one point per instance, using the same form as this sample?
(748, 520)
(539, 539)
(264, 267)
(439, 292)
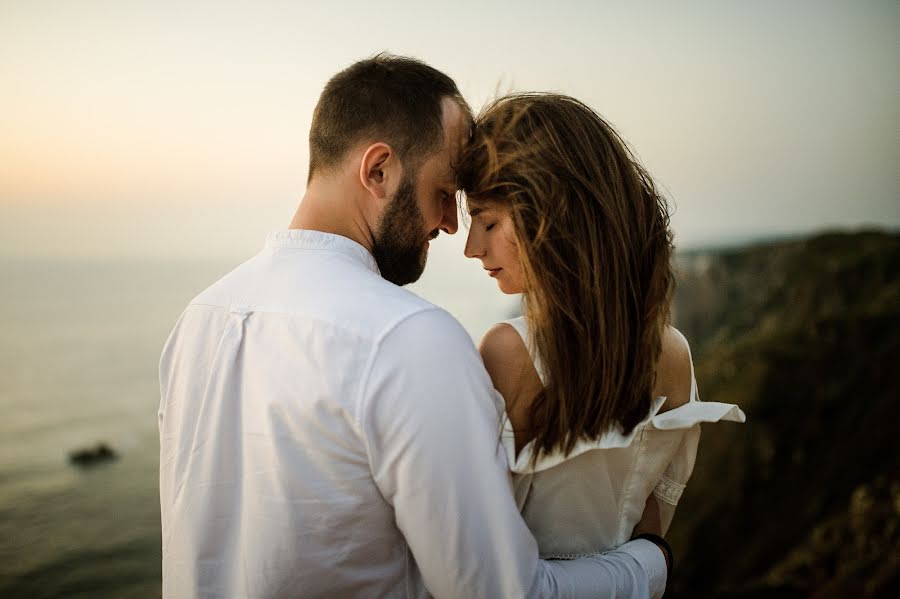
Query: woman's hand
(650, 522)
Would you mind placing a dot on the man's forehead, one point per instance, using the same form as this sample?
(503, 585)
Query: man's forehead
(455, 124)
(453, 116)
(443, 163)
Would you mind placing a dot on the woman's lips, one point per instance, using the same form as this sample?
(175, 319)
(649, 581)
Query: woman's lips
(493, 271)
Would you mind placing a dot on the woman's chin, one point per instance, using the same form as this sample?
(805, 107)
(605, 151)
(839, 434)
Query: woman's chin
(507, 288)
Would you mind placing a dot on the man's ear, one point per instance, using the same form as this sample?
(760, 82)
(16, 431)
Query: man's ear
(379, 171)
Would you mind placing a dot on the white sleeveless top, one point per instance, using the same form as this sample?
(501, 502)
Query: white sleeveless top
(589, 501)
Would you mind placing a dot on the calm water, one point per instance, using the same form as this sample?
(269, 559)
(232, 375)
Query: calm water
(79, 350)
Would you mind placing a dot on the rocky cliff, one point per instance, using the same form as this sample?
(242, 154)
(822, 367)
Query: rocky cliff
(803, 499)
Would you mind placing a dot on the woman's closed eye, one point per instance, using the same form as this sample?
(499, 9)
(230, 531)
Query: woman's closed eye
(489, 227)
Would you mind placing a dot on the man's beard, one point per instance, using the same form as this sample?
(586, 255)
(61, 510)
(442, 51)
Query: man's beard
(399, 243)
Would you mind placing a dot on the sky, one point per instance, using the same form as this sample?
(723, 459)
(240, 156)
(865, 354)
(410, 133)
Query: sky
(179, 129)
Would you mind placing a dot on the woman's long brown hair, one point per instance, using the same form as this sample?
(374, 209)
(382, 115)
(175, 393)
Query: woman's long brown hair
(595, 246)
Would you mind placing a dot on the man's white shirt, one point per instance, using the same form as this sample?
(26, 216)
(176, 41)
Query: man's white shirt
(324, 432)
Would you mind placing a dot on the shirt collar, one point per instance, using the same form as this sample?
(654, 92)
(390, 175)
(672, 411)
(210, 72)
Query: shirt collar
(307, 239)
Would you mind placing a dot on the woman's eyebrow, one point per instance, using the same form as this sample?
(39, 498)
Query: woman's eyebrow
(484, 211)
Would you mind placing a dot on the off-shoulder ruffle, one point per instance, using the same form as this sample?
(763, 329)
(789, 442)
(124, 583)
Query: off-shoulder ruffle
(682, 417)
(694, 412)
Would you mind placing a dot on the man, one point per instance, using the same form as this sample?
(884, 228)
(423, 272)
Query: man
(325, 432)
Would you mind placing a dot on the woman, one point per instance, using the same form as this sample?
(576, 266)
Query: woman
(602, 406)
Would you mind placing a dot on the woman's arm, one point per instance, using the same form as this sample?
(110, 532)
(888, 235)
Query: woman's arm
(675, 381)
(650, 522)
(512, 371)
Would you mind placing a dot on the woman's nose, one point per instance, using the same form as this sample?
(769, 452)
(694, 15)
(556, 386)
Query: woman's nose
(473, 249)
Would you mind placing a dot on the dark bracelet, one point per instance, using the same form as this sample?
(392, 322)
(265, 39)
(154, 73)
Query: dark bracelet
(661, 543)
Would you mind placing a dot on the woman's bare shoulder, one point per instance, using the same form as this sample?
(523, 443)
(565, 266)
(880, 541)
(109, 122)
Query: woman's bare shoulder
(674, 372)
(504, 353)
(512, 371)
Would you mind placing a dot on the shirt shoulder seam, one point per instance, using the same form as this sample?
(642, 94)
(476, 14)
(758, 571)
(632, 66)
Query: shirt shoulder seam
(376, 346)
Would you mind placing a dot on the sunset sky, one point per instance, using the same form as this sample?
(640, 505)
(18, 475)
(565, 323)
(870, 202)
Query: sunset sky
(178, 129)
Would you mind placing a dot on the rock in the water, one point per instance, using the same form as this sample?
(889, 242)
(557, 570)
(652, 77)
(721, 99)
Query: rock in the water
(90, 456)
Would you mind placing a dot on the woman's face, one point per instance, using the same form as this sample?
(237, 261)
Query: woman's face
(492, 239)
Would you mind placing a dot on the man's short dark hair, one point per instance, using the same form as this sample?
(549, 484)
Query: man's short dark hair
(387, 98)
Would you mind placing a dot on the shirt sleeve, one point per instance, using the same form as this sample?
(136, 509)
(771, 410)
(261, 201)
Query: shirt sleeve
(430, 417)
(674, 480)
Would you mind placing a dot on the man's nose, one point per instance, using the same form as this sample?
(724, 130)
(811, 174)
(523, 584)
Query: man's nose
(449, 222)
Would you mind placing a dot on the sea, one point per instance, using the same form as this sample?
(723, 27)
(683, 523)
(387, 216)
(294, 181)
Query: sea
(79, 353)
